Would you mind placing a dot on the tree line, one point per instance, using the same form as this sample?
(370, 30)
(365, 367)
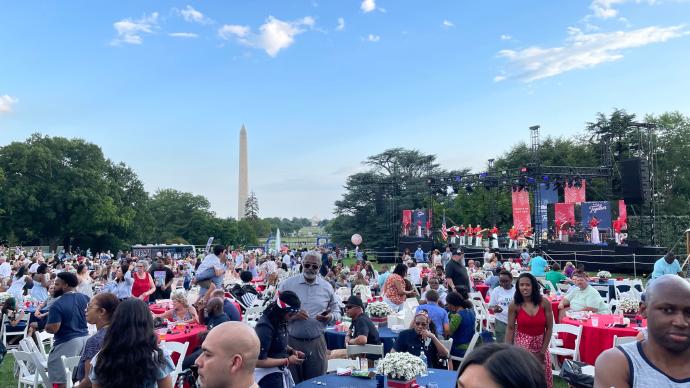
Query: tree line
(58, 191)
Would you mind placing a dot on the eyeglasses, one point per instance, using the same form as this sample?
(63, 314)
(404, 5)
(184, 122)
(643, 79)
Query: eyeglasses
(311, 266)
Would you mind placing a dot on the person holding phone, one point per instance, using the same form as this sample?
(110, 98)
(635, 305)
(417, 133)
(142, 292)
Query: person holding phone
(319, 306)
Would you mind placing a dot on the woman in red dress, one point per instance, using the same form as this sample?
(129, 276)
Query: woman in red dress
(143, 283)
(530, 322)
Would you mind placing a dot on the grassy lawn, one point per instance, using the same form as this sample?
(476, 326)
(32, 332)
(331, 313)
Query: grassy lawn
(7, 379)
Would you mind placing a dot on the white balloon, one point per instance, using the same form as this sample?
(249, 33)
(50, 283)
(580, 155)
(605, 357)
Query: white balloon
(356, 239)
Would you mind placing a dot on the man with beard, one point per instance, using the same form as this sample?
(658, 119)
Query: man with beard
(67, 321)
(306, 328)
(662, 359)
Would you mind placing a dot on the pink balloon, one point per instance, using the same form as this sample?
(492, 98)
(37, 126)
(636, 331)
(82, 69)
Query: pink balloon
(356, 239)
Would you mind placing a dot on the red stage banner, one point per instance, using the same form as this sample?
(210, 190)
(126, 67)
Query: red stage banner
(575, 194)
(407, 217)
(521, 213)
(564, 212)
(622, 212)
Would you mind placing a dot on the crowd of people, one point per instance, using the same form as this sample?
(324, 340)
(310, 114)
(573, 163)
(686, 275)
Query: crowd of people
(97, 307)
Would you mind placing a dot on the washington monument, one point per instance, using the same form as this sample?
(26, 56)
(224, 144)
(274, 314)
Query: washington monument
(243, 187)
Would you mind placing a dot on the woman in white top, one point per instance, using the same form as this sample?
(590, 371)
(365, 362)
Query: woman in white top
(18, 282)
(85, 282)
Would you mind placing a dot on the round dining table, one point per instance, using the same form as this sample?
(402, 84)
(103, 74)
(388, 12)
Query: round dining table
(336, 339)
(442, 378)
(482, 288)
(596, 339)
(188, 333)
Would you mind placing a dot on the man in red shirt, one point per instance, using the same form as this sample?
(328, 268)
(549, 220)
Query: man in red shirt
(478, 236)
(494, 237)
(512, 236)
(470, 234)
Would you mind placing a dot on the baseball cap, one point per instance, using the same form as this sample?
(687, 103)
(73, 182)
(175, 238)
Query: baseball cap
(354, 301)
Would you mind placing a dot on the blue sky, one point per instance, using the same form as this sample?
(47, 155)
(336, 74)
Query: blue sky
(321, 85)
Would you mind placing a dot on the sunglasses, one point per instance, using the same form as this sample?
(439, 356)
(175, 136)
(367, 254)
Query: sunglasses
(311, 266)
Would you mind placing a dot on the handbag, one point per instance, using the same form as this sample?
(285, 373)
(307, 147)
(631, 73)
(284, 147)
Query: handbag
(572, 373)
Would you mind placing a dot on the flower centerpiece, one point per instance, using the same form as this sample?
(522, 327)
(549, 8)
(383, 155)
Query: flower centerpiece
(604, 276)
(379, 312)
(401, 368)
(478, 277)
(629, 306)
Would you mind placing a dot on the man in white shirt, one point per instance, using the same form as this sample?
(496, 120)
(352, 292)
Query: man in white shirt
(500, 298)
(5, 268)
(414, 273)
(215, 262)
(286, 259)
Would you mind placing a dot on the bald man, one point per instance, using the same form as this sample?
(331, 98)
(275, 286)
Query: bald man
(228, 357)
(662, 359)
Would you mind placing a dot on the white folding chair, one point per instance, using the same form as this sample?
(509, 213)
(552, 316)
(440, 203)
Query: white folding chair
(622, 340)
(26, 364)
(179, 348)
(343, 293)
(448, 344)
(563, 287)
(481, 315)
(252, 315)
(561, 351)
(334, 364)
(603, 291)
(28, 345)
(69, 364)
(19, 333)
(470, 348)
(359, 350)
(44, 338)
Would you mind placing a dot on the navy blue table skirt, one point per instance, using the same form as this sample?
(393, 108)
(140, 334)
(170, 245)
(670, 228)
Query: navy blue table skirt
(336, 339)
(443, 378)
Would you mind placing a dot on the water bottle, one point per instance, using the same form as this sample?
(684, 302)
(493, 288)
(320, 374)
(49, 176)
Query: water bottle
(423, 357)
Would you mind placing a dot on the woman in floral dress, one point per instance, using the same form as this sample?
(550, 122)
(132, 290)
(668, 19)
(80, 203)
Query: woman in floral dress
(530, 322)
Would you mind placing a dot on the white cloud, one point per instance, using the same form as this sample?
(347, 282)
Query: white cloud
(499, 78)
(6, 103)
(273, 36)
(193, 16)
(447, 24)
(368, 5)
(581, 51)
(130, 31)
(373, 38)
(506, 37)
(605, 9)
(183, 35)
(341, 24)
(229, 30)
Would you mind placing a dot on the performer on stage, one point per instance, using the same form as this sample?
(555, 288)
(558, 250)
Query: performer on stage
(594, 224)
(478, 235)
(512, 236)
(563, 229)
(419, 228)
(461, 233)
(494, 237)
(529, 236)
(470, 234)
(617, 226)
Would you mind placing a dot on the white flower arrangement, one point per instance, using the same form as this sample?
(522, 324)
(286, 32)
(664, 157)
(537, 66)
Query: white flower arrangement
(401, 366)
(629, 305)
(604, 274)
(478, 276)
(379, 309)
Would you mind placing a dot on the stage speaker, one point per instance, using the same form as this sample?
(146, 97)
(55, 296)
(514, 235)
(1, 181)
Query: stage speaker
(635, 180)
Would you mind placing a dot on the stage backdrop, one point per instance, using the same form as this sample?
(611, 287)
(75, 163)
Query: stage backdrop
(548, 195)
(574, 194)
(600, 209)
(622, 211)
(564, 212)
(521, 214)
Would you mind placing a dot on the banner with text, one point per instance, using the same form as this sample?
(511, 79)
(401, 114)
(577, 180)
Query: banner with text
(521, 214)
(564, 212)
(598, 209)
(575, 194)
(547, 195)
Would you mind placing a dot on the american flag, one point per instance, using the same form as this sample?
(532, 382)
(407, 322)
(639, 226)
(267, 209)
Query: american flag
(444, 232)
